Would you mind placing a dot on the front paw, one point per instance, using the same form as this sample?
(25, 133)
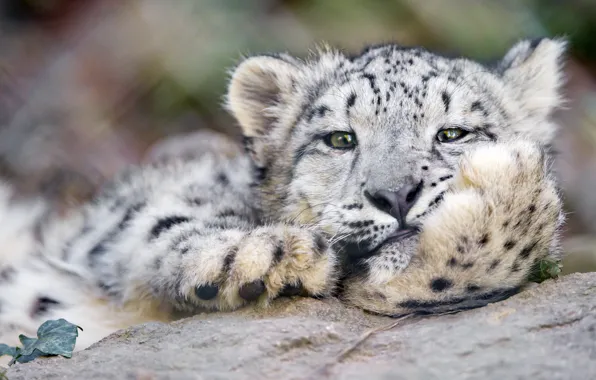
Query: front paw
(498, 220)
(270, 262)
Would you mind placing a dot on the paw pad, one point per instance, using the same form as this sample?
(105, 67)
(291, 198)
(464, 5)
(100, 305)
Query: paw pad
(207, 292)
(291, 290)
(252, 290)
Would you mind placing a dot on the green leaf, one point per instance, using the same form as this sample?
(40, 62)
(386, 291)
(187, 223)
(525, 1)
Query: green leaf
(545, 269)
(54, 337)
(7, 350)
(25, 358)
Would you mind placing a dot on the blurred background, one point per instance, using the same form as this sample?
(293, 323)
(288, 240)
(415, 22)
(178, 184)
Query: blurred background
(88, 87)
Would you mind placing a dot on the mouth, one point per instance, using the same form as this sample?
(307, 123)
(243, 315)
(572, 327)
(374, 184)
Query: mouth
(358, 250)
(402, 234)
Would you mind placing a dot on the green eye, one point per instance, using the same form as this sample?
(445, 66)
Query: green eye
(341, 140)
(451, 134)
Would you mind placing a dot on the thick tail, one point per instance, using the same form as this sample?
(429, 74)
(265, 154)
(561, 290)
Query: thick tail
(35, 286)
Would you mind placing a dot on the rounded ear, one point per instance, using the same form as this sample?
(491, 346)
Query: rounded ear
(259, 85)
(533, 70)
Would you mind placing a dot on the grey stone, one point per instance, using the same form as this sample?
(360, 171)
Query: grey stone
(545, 332)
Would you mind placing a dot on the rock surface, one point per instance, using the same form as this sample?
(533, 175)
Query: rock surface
(546, 332)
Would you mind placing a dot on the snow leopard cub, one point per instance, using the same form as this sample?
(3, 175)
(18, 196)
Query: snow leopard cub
(398, 179)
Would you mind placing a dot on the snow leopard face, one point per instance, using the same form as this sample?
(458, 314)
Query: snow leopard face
(365, 146)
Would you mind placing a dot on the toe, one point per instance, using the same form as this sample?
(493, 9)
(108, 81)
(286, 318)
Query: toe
(291, 290)
(252, 290)
(207, 292)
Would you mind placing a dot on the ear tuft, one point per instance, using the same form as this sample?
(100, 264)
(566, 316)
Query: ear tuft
(258, 85)
(533, 70)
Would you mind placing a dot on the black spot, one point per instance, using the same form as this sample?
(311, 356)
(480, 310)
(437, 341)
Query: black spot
(195, 201)
(483, 240)
(446, 100)
(7, 274)
(98, 249)
(506, 224)
(252, 290)
(223, 179)
(495, 263)
(452, 262)
(467, 265)
(322, 110)
(509, 244)
(108, 289)
(207, 292)
(227, 213)
(531, 208)
(440, 284)
(460, 248)
(444, 178)
(425, 167)
(229, 259)
(525, 253)
(351, 100)
(278, 253)
(42, 305)
(165, 224)
(476, 106)
(515, 267)
(437, 199)
(353, 206)
(472, 288)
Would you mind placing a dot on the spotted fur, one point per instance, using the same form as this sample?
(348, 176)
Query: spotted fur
(399, 223)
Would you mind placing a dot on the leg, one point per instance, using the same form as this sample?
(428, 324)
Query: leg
(224, 269)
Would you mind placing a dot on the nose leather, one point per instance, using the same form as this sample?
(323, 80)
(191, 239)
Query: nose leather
(397, 203)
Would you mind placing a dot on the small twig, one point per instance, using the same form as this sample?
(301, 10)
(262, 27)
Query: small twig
(324, 370)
